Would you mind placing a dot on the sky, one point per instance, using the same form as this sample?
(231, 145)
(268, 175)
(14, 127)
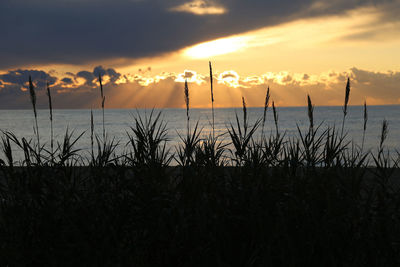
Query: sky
(146, 49)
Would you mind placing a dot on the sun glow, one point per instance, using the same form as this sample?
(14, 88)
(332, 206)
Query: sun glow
(216, 47)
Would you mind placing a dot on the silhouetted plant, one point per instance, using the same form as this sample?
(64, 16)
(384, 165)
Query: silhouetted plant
(275, 118)
(334, 147)
(31, 155)
(383, 160)
(210, 152)
(186, 151)
(105, 152)
(91, 135)
(364, 125)
(212, 99)
(241, 137)
(346, 102)
(66, 153)
(186, 92)
(266, 104)
(103, 99)
(33, 101)
(51, 123)
(310, 114)
(7, 150)
(311, 145)
(148, 140)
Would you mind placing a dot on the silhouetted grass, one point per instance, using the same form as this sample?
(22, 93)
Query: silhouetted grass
(266, 104)
(51, 121)
(212, 99)
(306, 200)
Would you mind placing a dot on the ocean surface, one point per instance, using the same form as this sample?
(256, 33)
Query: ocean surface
(119, 121)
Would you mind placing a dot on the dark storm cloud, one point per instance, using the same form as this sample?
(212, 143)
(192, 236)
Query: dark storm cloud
(67, 80)
(99, 70)
(91, 77)
(88, 76)
(78, 32)
(20, 78)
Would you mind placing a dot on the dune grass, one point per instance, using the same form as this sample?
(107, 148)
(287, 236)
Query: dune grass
(310, 200)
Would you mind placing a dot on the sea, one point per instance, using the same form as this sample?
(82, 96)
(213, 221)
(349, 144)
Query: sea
(118, 123)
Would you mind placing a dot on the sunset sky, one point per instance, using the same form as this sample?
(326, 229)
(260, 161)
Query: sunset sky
(145, 49)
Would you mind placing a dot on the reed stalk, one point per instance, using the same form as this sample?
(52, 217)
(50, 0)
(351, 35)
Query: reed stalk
(244, 113)
(310, 109)
(365, 125)
(384, 133)
(51, 123)
(103, 99)
(186, 91)
(346, 102)
(91, 133)
(33, 101)
(266, 104)
(275, 118)
(212, 99)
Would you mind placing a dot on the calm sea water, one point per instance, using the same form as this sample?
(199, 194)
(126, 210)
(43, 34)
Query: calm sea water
(119, 121)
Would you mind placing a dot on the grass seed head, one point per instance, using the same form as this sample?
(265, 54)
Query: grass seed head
(33, 95)
(266, 104)
(346, 97)
(310, 112)
(365, 116)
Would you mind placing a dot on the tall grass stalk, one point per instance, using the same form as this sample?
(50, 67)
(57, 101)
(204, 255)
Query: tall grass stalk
(266, 104)
(384, 133)
(275, 118)
(186, 91)
(103, 99)
(244, 112)
(33, 101)
(212, 99)
(7, 150)
(242, 136)
(346, 102)
(383, 161)
(365, 125)
(91, 133)
(310, 109)
(51, 123)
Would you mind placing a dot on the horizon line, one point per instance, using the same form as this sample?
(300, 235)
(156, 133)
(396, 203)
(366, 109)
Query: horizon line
(161, 108)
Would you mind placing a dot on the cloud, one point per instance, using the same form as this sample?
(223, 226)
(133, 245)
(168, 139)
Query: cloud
(80, 90)
(230, 78)
(88, 77)
(200, 7)
(67, 80)
(19, 78)
(88, 31)
(191, 76)
(382, 87)
(111, 73)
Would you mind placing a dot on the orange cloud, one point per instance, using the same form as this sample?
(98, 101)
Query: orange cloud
(166, 89)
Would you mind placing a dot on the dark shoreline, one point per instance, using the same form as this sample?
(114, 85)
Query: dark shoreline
(197, 216)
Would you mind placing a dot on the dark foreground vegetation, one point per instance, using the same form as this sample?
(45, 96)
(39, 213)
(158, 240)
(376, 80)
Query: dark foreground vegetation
(313, 200)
